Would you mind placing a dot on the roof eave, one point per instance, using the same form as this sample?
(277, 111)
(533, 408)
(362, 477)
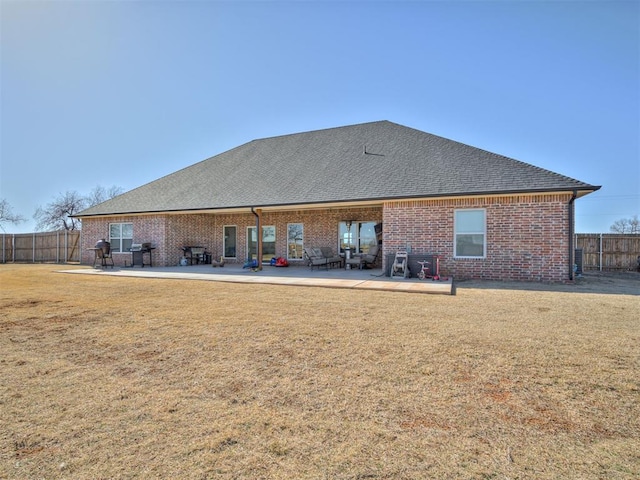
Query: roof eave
(347, 203)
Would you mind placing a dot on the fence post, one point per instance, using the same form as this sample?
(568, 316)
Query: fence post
(33, 247)
(600, 261)
(4, 241)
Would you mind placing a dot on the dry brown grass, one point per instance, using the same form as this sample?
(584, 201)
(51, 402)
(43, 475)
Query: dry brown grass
(105, 377)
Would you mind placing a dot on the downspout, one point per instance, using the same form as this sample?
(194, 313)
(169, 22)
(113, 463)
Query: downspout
(258, 238)
(571, 233)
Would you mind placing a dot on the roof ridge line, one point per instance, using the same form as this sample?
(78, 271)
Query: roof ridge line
(324, 130)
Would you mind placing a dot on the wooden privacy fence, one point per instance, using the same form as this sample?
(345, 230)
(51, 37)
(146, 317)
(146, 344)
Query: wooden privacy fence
(608, 251)
(600, 251)
(59, 247)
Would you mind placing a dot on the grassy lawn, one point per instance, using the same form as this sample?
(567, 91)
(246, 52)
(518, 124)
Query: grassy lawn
(104, 377)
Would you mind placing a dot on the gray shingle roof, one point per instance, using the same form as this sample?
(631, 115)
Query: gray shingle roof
(331, 165)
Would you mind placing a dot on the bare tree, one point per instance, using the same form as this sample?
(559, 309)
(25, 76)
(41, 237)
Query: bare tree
(100, 194)
(7, 215)
(626, 225)
(57, 214)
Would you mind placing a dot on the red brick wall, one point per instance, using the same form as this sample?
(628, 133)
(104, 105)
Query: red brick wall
(168, 233)
(527, 236)
(146, 228)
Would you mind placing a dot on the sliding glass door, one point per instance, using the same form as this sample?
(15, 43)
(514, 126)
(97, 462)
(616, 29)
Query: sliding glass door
(359, 236)
(268, 243)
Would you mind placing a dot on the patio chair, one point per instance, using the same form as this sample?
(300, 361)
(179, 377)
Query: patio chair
(370, 259)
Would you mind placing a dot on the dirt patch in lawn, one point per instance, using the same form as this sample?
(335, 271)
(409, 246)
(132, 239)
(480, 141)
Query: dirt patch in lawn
(112, 377)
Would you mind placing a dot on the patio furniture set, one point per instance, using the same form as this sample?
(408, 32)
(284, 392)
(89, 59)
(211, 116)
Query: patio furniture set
(324, 257)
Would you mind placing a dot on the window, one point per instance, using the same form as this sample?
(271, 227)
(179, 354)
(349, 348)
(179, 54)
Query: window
(229, 241)
(295, 244)
(120, 237)
(366, 236)
(268, 243)
(470, 233)
(345, 236)
(359, 236)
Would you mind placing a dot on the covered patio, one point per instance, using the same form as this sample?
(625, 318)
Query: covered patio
(373, 279)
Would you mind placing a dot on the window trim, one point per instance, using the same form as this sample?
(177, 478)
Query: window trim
(289, 257)
(224, 241)
(120, 238)
(483, 233)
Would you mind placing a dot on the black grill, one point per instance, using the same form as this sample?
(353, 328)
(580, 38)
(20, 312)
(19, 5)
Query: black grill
(137, 254)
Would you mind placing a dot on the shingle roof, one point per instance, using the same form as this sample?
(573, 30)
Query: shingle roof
(332, 165)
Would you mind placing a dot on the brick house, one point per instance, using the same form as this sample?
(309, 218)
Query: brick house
(487, 215)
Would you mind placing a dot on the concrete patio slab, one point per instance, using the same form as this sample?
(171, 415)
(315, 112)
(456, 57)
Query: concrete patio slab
(292, 276)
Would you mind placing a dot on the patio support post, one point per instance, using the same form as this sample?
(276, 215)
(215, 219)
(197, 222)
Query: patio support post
(258, 214)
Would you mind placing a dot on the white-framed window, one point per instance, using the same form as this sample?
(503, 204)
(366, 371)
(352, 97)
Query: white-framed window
(120, 237)
(470, 233)
(229, 241)
(295, 241)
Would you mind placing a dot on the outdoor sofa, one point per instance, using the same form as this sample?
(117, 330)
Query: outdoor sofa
(322, 257)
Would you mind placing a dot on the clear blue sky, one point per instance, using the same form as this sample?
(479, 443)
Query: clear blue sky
(124, 92)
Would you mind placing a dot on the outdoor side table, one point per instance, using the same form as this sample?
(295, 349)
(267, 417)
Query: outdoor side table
(353, 262)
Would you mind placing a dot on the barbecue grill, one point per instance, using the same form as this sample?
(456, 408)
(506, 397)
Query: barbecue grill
(197, 255)
(137, 254)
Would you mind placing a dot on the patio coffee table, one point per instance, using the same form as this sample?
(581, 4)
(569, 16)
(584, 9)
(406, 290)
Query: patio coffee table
(353, 262)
